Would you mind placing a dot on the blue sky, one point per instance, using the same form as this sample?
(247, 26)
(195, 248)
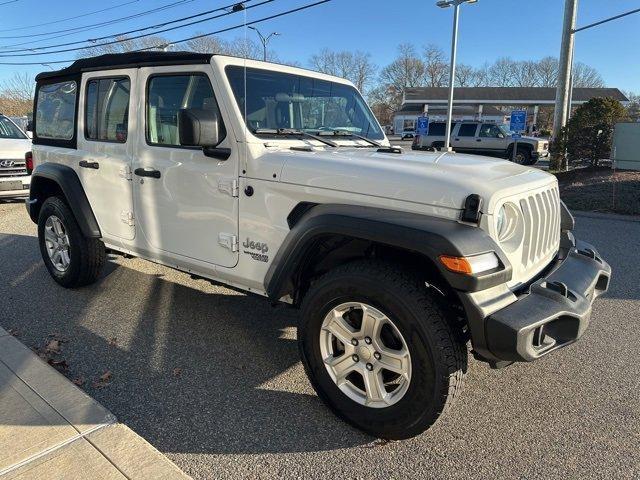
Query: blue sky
(521, 29)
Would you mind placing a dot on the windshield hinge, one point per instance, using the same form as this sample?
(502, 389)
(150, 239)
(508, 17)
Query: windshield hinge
(229, 186)
(229, 241)
(127, 218)
(125, 172)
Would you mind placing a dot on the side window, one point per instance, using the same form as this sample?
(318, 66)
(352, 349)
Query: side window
(467, 130)
(437, 129)
(107, 109)
(55, 116)
(489, 131)
(166, 96)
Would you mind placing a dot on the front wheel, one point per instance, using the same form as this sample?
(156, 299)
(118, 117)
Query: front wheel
(72, 259)
(378, 350)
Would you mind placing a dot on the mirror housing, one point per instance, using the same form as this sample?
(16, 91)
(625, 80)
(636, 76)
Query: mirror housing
(198, 127)
(501, 135)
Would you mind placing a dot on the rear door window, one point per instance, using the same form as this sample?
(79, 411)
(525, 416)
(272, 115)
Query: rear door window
(55, 116)
(467, 130)
(107, 109)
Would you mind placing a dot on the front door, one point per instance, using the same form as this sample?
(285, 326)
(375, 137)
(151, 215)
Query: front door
(106, 143)
(188, 208)
(492, 139)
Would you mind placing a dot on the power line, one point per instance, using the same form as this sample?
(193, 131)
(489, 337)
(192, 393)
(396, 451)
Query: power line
(22, 27)
(254, 22)
(6, 3)
(64, 50)
(122, 34)
(105, 23)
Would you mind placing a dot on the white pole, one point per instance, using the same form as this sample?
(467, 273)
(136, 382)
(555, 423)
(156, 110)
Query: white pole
(452, 76)
(564, 73)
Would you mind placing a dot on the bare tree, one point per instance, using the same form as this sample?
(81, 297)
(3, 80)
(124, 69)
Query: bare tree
(585, 76)
(466, 75)
(208, 44)
(354, 66)
(384, 101)
(501, 72)
(407, 70)
(16, 94)
(547, 72)
(436, 66)
(634, 106)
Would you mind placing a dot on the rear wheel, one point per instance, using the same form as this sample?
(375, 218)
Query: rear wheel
(378, 350)
(72, 259)
(522, 157)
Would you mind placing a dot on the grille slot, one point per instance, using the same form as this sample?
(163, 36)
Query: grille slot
(541, 212)
(17, 169)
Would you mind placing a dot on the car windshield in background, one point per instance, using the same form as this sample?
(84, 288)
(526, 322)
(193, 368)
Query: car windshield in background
(276, 100)
(506, 130)
(8, 130)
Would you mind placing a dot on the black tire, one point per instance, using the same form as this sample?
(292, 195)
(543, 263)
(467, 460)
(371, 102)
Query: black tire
(87, 255)
(524, 155)
(438, 359)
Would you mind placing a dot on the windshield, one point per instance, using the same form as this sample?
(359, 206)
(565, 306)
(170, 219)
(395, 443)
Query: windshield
(506, 130)
(9, 130)
(276, 100)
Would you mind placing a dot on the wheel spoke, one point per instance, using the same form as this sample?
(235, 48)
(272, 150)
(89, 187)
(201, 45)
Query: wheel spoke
(55, 258)
(396, 361)
(376, 391)
(371, 324)
(57, 227)
(64, 258)
(339, 328)
(49, 234)
(342, 366)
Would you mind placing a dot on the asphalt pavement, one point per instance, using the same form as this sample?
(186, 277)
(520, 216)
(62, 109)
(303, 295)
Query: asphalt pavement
(211, 377)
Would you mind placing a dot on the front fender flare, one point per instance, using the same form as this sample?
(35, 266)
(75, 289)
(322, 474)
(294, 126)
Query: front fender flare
(414, 232)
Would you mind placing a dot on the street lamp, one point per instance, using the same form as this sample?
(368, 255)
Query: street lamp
(264, 40)
(452, 71)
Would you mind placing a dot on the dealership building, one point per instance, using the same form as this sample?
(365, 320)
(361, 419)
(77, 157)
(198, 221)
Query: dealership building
(487, 103)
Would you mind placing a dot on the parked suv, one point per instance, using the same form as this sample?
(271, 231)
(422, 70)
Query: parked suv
(280, 182)
(484, 138)
(15, 149)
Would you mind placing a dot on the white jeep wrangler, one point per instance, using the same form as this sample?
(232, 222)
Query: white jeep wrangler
(279, 181)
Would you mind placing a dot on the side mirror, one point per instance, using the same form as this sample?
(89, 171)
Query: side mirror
(29, 126)
(198, 127)
(501, 135)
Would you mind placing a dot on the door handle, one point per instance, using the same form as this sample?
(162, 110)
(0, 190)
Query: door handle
(85, 164)
(141, 172)
(457, 139)
(478, 139)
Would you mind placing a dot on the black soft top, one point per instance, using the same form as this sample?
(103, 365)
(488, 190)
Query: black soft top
(113, 61)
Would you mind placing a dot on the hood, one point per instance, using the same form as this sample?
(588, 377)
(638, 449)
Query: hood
(14, 149)
(437, 179)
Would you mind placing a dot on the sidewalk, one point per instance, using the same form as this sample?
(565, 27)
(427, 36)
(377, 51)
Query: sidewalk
(49, 428)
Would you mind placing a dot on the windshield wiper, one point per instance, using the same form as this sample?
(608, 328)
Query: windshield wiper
(292, 131)
(347, 133)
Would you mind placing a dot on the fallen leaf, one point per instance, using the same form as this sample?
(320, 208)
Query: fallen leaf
(177, 372)
(14, 332)
(60, 365)
(53, 346)
(79, 381)
(103, 380)
(113, 341)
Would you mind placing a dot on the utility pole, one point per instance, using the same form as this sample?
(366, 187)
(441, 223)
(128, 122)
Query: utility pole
(564, 71)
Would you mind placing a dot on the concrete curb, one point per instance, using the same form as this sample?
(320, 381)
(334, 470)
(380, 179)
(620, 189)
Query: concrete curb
(606, 216)
(47, 424)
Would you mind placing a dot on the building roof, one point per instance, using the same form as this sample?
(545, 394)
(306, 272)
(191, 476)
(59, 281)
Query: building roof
(417, 108)
(112, 61)
(506, 95)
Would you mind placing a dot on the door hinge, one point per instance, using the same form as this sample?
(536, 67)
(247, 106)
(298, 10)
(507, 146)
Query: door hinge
(127, 217)
(125, 172)
(228, 240)
(229, 186)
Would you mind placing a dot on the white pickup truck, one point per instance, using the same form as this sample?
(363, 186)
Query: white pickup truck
(279, 181)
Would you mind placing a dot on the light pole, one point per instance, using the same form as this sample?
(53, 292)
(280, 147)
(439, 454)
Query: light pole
(264, 40)
(452, 70)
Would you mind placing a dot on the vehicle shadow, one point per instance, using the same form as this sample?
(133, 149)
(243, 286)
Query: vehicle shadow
(194, 370)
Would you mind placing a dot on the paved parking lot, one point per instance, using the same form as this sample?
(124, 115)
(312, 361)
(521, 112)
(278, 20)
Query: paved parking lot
(212, 379)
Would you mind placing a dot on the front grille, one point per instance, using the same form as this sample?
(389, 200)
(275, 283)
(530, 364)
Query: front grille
(541, 226)
(16, 170)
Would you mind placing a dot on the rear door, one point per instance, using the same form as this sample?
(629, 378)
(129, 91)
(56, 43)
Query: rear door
(465, 137)
(190, 208)
(106, 134)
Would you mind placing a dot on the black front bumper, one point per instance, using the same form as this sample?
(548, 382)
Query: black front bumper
(552, 313)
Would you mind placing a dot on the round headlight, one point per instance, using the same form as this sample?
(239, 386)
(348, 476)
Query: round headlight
(507, 222)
